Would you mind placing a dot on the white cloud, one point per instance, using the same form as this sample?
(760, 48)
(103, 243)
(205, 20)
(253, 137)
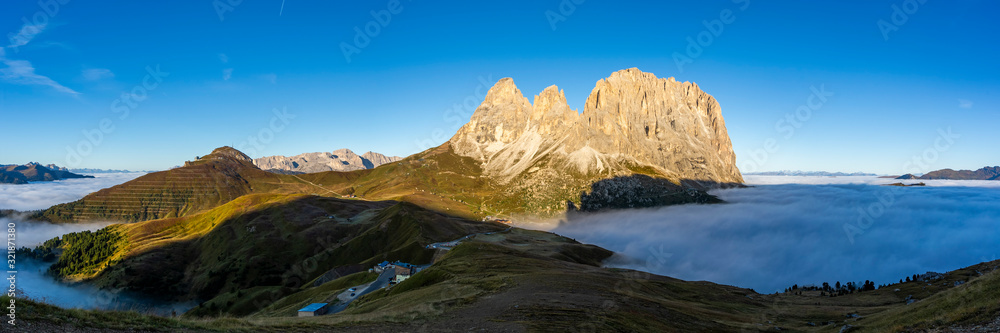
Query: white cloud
(227, 74)
(965, 104)
(769, 237)
(21, 71)
(95, 74)
(224, 58)
(861, 180)
(25, 35)
(42, 195)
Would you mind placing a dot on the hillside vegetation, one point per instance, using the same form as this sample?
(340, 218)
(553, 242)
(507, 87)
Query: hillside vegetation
(536, 281)
(257, 248)
(436, 179)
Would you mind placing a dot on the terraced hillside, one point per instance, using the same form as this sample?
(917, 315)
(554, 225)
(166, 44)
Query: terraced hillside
(212, 180)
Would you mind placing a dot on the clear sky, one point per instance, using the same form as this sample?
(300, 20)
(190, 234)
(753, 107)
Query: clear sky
(171, 80)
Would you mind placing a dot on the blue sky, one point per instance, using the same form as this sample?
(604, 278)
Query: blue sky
(224, 70)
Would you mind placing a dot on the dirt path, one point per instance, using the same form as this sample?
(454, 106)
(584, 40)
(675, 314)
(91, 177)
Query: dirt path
(313, 184)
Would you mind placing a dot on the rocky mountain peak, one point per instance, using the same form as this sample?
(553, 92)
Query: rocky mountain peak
(631, 117)
(337, 160)
(230, 153)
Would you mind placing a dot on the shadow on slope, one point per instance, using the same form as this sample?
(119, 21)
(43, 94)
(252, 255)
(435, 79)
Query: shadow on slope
(261, 247)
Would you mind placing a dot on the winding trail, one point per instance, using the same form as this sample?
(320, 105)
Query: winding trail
(313, 184)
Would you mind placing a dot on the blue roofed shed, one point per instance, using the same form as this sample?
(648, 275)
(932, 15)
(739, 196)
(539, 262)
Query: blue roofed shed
(315, 309)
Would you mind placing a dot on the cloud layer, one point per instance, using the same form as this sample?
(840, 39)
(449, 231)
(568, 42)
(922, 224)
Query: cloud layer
(42, 195)
(772, 236)
(35, 283)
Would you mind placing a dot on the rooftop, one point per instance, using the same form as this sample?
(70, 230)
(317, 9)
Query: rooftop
(312, 307)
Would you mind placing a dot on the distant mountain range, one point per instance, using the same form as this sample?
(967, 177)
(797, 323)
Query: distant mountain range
(987, 173)
(87, 170)
(338, 160)
(34, 172)
(808, 173)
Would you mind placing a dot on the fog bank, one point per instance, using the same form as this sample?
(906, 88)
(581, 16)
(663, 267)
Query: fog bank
(34, 282)
(769, 237)
(42, 195)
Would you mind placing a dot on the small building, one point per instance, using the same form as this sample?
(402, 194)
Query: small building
(382, 266)
(403, 264)
(401, 277)
(312, 310)
(401, 270)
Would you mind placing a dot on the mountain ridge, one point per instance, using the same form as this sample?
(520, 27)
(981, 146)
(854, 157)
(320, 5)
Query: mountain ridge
(337, 160)
(513, 158)
(34, 172)
(985, 173)
(629, 117)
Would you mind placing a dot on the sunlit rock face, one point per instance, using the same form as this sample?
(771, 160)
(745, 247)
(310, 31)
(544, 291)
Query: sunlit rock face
(632, 121)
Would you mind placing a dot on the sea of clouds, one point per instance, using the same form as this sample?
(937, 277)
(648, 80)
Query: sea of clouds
(806, 230)
(42, 195)
(31, 277)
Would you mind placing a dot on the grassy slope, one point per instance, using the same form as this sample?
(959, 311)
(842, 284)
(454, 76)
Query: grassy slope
(533, 280)
(261, 247)
(440, 180)
(326, 293)
(436, 179)
(541, 281)
(204, 184)
(976, 301)
(216, 254)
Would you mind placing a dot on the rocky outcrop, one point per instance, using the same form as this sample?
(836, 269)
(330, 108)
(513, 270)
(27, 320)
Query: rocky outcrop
(373, 159)
(633, 122)
(338, 160)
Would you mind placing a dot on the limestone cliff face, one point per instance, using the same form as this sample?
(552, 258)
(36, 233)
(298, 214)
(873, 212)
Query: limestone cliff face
(631, 121)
